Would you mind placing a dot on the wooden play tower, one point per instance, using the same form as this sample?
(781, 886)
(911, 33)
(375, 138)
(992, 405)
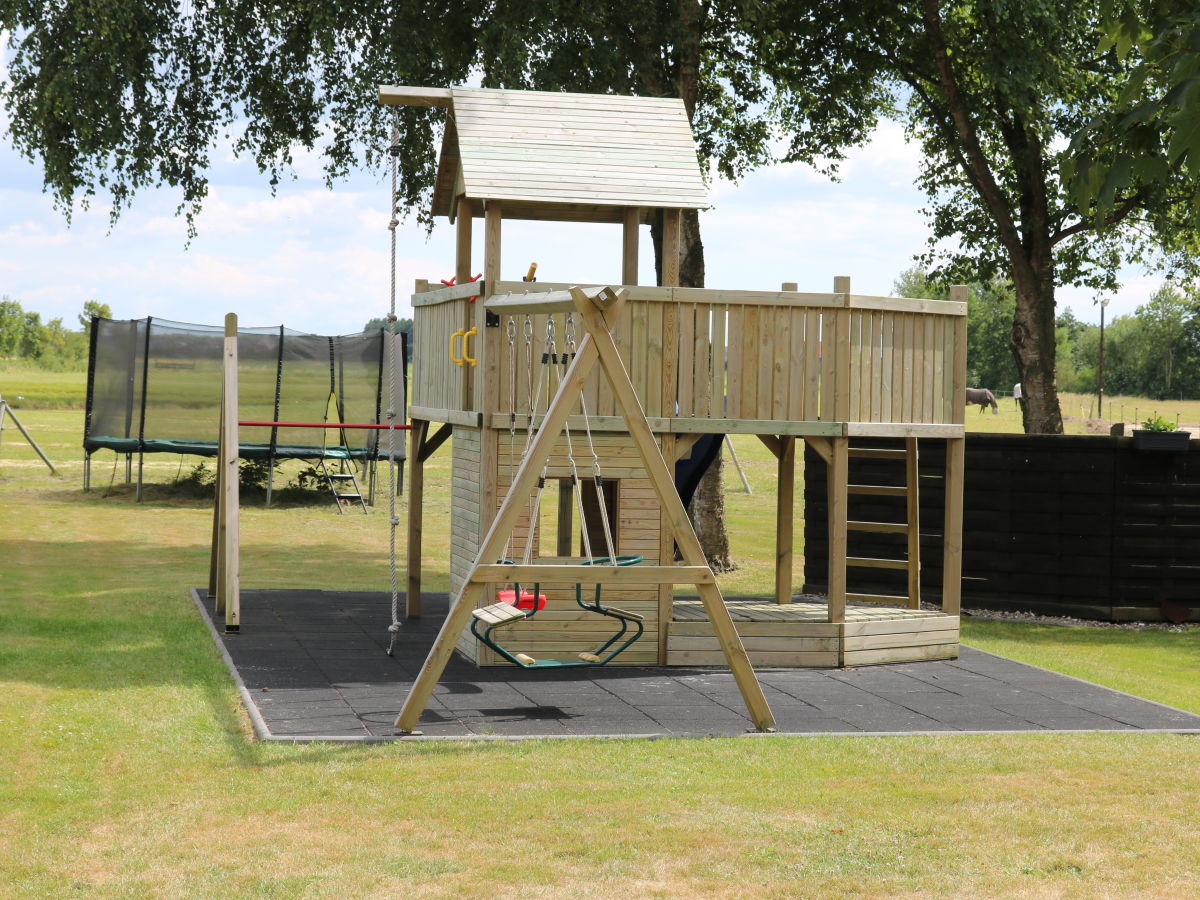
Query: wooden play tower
(824, 368)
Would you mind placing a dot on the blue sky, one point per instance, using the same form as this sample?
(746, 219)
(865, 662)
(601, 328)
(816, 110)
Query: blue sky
(316, 259)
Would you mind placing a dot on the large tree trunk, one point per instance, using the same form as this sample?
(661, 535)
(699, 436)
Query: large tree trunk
(1033, 345)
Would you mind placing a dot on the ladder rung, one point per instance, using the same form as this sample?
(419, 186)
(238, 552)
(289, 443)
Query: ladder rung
(876, 453)
(877, 490)
(878, 598)
(867, 562)
(887, 527)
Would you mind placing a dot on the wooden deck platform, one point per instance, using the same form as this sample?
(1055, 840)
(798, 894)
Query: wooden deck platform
(792, 635)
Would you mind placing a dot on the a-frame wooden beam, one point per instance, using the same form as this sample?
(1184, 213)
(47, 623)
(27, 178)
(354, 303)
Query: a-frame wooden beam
(597, 345)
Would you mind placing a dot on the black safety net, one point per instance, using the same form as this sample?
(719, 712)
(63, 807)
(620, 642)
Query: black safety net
(155, 386)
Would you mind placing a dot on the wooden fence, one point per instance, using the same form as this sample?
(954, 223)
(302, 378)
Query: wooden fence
(1060, 525)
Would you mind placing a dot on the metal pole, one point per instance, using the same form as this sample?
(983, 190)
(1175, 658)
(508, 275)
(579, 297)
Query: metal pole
(737, 465)
(5, 409)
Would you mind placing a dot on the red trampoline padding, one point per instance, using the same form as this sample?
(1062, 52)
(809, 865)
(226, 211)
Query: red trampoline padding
(526, 601)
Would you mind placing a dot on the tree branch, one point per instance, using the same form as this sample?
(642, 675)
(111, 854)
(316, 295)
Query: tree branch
(976, 161)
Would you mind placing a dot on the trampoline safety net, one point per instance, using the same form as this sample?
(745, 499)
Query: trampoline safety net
(155, 386)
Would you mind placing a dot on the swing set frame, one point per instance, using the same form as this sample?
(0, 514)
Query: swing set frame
(597, 308)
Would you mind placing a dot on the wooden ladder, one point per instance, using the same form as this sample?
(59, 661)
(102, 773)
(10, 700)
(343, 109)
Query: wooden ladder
(911, 526)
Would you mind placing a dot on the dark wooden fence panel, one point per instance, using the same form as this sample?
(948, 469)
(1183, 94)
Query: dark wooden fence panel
(1064, 525)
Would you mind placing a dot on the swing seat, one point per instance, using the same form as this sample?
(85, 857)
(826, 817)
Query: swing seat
(526, 602)
(498, 614)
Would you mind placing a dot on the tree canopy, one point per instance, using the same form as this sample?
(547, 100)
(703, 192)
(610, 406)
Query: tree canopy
(993, 92)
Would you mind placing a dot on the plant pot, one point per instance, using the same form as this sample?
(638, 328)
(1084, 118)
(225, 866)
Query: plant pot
(1169, 441)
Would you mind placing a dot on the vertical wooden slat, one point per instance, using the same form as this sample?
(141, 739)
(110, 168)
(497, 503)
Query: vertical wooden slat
(639, 350)
(876, 366)
(897, 394)
(750, 353)
(937, 391)
(702, 365)
(781, 363)
(928, 387)
(766, 363)
(719, 358)
(686, 314)
(812, 365)
(735, 370)
(660, 345)
(885, 366)
(948, 372)
(856, 364)
(907, 392)
(795, 408)
(842, 391)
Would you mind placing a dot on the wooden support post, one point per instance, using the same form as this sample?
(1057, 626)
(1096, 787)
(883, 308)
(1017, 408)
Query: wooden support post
(416, 510)
(785, 504)
(952, 532)
(913, 499)
(956, 460)
(462, 241)
(487, 374)
(630, 222)
(230, 593)
(670, 248)
(837, 479)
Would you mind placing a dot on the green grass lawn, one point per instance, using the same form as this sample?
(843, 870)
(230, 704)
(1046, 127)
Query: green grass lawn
(129, 770)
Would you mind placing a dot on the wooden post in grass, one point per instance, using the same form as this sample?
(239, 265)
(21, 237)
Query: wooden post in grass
(228, 588)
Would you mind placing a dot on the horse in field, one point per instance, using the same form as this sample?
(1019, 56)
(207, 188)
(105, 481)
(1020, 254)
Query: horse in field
(984, 398)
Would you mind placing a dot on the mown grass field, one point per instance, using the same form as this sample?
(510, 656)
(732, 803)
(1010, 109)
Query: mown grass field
(129, 771)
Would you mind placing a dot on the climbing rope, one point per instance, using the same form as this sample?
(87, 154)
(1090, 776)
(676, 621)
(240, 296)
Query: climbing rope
(393, 390)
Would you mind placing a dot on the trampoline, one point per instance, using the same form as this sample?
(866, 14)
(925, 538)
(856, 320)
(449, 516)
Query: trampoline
(154, 386)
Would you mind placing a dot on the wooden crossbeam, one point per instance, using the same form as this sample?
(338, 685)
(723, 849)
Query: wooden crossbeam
(579, 574)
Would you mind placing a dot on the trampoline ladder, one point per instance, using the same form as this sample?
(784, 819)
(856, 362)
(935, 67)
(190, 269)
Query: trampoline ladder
(343, 486)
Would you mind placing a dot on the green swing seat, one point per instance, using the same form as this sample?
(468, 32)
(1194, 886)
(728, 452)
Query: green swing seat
(487, 619)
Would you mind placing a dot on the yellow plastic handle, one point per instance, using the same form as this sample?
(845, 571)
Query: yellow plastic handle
(466, 337)
(458, 334)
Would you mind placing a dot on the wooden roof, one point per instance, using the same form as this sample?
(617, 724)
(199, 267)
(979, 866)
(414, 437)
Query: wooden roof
(557, 156)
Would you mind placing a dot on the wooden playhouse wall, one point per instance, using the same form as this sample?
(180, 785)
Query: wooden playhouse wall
(562, 630)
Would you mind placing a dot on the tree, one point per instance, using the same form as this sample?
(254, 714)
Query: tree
(142, 95)
(93, 308)
(990, 307)
(990, 89)
(12, 326)
(1150, 136)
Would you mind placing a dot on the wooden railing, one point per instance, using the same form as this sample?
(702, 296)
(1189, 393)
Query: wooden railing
(752, 356)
